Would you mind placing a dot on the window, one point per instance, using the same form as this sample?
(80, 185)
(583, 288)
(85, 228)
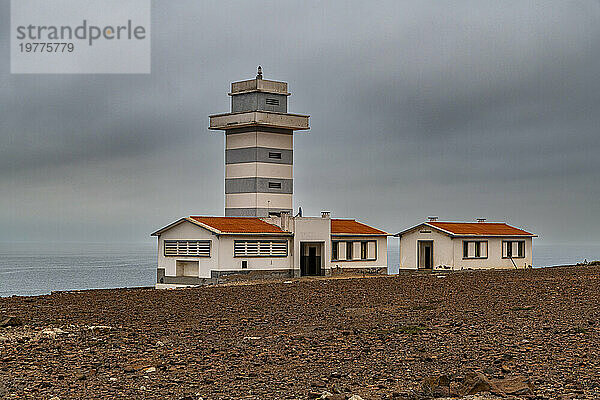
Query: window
(475, 249)
(363, 250)
(521, 249)
(349, 250)
(275, 155)
(513, 249)
(274, 185)
(195, 248)
(272, 102)
(368, 251)
(260, 248)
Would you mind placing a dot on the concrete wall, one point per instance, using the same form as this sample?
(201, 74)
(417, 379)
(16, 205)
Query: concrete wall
(250, 169)
(261, 101)
(222, 255)
(312, 230)
(257, 137)
(494, 259)
(188, 231)
(259, 185)
(448, 251)
(443, 252)
(381, 252)
(258, 200)
(260, 170)
(227, 261)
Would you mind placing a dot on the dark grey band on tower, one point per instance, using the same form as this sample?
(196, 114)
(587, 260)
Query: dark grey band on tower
(253, 212)
(259, 154)
(259, 185)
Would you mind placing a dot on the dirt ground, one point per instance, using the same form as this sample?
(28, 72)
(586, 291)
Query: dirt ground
(379, 337)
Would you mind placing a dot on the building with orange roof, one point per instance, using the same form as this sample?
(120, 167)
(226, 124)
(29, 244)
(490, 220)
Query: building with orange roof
(258, 237)
(442, 245)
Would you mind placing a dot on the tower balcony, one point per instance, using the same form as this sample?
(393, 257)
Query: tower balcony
(258, 118)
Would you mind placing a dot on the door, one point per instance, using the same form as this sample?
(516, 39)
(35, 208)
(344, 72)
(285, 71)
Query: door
(310, 259)
(425, 254)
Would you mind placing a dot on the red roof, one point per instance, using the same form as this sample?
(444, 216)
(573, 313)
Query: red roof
(352, 227)
(480, 228)
(239, 224)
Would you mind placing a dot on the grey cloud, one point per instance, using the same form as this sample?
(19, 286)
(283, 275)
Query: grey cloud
(463, 109)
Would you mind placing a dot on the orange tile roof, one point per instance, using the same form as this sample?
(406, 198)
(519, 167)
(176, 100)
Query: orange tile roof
(239, 224)
(350, 226)
(480, 228)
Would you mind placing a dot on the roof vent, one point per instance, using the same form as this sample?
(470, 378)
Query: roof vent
(325, 214)
(480, 219)
(432, 219)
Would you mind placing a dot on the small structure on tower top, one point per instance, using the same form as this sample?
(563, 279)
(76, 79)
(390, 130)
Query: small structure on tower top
(259, 75)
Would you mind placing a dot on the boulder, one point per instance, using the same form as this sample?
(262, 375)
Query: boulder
(476, 383)
(516, 385)
(436, 386)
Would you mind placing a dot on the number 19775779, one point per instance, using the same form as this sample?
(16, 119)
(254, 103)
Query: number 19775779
(48, 47)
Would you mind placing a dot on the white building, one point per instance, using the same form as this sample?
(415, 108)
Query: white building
(258, 237)
(436, 245)
(200, 250)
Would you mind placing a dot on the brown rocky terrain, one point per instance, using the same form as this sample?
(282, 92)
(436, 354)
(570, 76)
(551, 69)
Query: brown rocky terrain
(513, 334)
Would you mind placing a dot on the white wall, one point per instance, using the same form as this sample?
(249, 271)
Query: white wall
(260, 200)
(228, 262)
(494, 259)
(443, 253)
(381, 257)
(222, 256)
(188, 231)
(312, 229)
(258, 169)
(448, 251)
(260, 139)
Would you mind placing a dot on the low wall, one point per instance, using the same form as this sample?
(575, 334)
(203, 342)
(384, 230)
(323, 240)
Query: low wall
(359, 271)
(224, 277)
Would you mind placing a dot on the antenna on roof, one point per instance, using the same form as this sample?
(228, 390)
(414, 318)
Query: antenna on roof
(259, 75)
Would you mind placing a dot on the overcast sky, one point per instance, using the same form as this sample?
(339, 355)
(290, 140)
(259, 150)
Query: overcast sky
(460, 109)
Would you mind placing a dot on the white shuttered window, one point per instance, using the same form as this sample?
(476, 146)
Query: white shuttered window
(260, 248)
(195, 248)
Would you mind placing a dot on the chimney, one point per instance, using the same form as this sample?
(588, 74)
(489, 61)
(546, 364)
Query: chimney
(480, 219)
(285, 220)
(432, 219)
(325, 214)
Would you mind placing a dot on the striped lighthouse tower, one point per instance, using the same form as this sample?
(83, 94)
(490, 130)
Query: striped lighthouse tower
(259, 148)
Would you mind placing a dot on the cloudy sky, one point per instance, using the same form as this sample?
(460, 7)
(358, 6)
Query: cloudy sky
(460, 109)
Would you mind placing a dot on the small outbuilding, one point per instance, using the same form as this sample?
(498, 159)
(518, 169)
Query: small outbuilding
(438, 245)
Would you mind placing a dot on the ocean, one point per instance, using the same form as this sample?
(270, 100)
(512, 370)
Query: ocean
(28, 269)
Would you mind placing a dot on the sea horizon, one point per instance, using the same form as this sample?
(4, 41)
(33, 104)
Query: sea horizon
(34, 268)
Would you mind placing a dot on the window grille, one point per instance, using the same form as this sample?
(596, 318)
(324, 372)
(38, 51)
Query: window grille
(195, 248)
(259, 248)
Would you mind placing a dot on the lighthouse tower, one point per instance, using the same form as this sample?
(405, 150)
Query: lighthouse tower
(259, 146)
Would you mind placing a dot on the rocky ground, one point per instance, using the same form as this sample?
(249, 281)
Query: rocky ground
(532, 333)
